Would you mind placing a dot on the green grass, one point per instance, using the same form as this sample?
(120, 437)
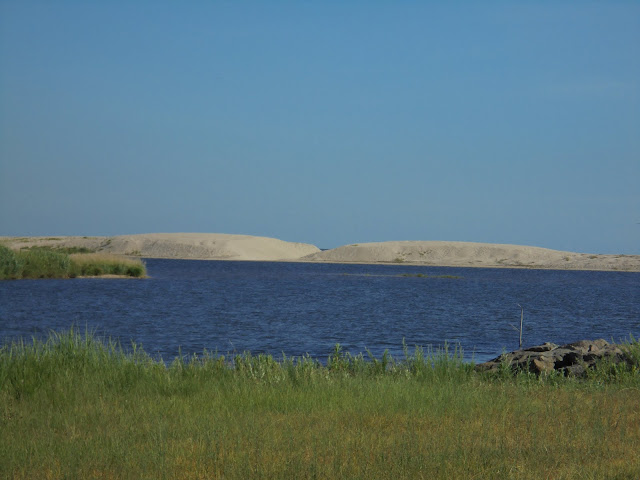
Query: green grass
(49, 263)
(76, 406)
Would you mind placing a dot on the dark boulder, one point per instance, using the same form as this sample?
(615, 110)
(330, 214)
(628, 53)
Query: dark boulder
(571, 359)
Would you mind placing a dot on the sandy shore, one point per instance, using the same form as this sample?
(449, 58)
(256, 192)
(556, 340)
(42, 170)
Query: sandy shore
(218, 246)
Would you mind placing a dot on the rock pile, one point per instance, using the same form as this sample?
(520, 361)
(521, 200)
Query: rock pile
(571, 359)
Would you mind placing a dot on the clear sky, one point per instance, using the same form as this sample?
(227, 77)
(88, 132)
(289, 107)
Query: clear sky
(324, 122)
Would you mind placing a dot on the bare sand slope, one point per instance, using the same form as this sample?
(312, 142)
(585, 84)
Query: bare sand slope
(204, 246)
(209, 246)
(467, 254)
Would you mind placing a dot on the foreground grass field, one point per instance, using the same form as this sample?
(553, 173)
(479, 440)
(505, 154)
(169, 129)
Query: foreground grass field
(78, 407)
(50, 263)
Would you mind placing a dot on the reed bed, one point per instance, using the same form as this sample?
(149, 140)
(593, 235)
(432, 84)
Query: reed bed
(77, 406)
(51, 263)
(91, 264)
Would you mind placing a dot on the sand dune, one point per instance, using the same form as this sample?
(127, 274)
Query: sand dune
(210, 246)
(467, 254)
(203, 246)
(218, 246)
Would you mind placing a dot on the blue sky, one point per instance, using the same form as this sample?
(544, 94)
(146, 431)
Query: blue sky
(324, 122)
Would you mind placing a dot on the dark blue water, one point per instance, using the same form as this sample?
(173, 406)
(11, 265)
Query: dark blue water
(297, 308)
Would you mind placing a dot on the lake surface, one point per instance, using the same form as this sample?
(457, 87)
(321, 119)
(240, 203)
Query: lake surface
(300, 308)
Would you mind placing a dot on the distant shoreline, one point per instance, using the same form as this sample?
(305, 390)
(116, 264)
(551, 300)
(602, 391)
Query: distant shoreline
(444, 265)
(217, 246)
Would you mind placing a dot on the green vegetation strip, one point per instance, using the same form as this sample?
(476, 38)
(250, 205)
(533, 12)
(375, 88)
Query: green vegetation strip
(51, 263)
(76, 406)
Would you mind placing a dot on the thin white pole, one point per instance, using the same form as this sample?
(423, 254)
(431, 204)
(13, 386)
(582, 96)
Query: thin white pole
(521, 319)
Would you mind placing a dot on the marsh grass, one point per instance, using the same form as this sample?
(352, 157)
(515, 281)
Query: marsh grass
(49, 263)
(106, 264)
(34, 263)
(11, 265)
(77, 406)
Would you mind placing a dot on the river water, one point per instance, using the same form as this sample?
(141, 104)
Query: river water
(301, 308)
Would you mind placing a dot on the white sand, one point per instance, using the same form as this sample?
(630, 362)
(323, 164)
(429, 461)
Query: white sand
(467, 254)
(218, 246)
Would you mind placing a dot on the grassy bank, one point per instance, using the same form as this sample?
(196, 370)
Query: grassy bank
(50, 263)
(78, 407)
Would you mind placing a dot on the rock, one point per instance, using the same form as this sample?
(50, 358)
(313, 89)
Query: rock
(571, 359)
(545, 347)
(543, 364)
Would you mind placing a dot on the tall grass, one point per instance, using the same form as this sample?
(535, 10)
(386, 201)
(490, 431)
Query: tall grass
(33, 263)
(76, 406)
(48, 263)
(11, 265)
(105, 264)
